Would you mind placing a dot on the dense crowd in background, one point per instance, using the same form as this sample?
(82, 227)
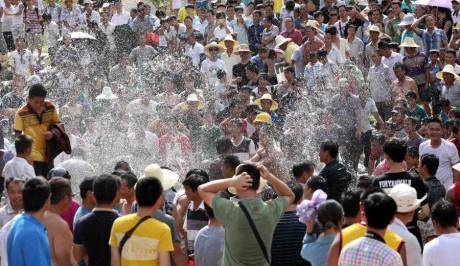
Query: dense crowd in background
(238, 132)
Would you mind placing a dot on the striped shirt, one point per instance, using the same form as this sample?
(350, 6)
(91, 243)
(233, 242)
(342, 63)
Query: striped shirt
(366, 251)
(287, 241)
(195, 220)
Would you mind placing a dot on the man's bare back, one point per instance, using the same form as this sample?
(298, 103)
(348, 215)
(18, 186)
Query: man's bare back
(60, 238)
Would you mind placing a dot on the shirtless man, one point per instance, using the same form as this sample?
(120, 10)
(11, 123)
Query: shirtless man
(59, 235)
(403, 83)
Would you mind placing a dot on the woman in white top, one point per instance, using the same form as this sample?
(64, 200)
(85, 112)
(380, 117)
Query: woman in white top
(12, 22)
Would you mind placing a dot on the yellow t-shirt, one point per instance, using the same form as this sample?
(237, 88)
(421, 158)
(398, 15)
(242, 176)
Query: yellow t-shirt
(358, 230)
(183, 14)
(144, 245)
(28, 122)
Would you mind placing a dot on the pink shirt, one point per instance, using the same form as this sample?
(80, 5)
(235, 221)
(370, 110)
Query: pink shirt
(70, 213)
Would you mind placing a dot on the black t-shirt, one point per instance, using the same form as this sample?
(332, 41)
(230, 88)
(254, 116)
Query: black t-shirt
(93, 232)
(239, 70)
(389, 180)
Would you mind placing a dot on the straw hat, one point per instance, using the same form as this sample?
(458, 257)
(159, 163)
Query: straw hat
(167, 178)
(405, 197)
(408, 20)
(107, 94)
(267, 96)
(242, 48)
(312, 23)
(191, 98)
(374, 28)
(447, 69)
(263, 117)
(409, 43)
(280, 40)
(214, 45)
(457, 26)
(229, 38)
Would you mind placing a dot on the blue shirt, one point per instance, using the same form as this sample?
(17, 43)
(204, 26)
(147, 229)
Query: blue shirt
(27, 243)
(315, 250)
(82, 211)
(255, 36)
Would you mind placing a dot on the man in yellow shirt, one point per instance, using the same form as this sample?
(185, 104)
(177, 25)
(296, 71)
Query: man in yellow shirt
(34, 119)
(150, 241)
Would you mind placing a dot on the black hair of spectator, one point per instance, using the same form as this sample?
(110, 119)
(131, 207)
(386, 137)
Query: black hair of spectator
(105, 188)
(252, 171)
(431, 162)
(297, 189)
(413, 152)
(60, 188)
(350, 202)
(148, 191)
(380, 209)
(330, 146)
(300, 168)
(10, 180)
(37, 90)
(194, 180)
(232, 161)
(364, 182)
(433, 119)
(395, 149)
(86, 185)
(330, 214)
(316, 182)
(130, 178)
(444, 213)
(122, 165)
(224, 145)
(35, 193)
(22, 143)
(332, 30)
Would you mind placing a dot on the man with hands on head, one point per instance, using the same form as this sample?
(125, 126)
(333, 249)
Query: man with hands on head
(241, 245)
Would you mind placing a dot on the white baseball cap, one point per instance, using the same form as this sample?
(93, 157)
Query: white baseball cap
(405, 197)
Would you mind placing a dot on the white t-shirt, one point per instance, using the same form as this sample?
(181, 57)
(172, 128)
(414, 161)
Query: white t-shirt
(194, 52)
(368, 109)
(18, 167)
(413, 251)
(136, 107)
(120, 19)
(21, 63)
(391, 61)
(442, 251)
(4, 232)
(210, 68)
(448, 156)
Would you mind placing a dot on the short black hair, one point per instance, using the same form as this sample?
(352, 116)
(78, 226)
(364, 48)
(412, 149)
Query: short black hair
(223, 145)
(130, 178)
(105, 188)
(400, 65)
(332, 30)
(431, 162)
(122, 165)
(37, 90)
(364, 182)
(35, 193)
(330, 146)
(22, 143)
(195, 180)
(252, 68)
(86, 185)
(379, 209)
(60, 187)
(444, 213)
(252, 171)
(330, 214)
(231, 160)
(316, 182)
(433, 119)
(300, 168)
(350, 202)
(395, 149)
(148, 191)
(297, 189)
(413, 152)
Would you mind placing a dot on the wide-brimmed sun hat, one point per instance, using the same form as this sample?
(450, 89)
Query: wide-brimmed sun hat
(167, 178)
(280, 40)
(243, 48)
(214, 45)
(405, 197)
(267, 96)
(263, 117)
(447, 69)
(409, 43)
(408, 20)
(229, 38)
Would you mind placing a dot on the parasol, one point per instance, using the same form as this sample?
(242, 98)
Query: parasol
(436, 3)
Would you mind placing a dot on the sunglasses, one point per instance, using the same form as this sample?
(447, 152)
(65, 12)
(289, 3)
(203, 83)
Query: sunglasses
(333, 14)
(213, 49)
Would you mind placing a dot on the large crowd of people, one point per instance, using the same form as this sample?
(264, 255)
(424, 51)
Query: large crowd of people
(283, 133)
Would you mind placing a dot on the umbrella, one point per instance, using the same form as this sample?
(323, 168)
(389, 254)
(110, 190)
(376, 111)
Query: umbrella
(437, 3)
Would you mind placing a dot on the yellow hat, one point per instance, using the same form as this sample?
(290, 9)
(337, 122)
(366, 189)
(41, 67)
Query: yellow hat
(214, 45)
(229, 38)
(409, 43)
(280, 40)
(263, 117)
(267, 96)
(447, 69)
